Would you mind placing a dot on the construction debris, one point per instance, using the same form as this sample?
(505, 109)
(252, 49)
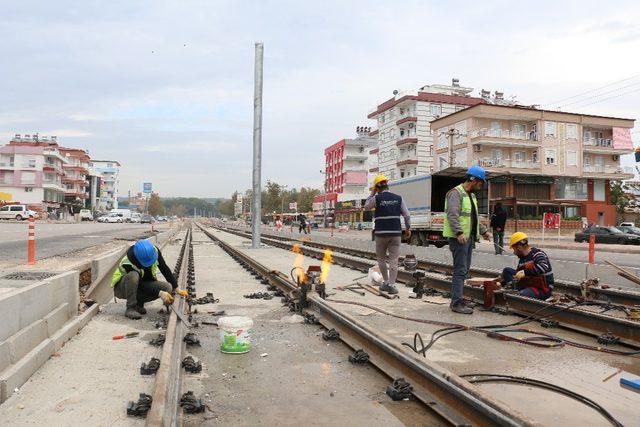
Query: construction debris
(259, 295)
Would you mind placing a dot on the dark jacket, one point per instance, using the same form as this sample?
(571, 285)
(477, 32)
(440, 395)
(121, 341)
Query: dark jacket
(162, 266)
(498, 219)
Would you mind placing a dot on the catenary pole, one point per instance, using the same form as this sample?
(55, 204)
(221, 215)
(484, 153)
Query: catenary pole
(257, 145)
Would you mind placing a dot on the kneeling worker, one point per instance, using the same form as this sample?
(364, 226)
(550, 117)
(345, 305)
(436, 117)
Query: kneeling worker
(534, 275)
(136, 278)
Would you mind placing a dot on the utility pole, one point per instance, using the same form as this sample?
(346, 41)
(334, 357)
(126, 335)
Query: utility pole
(324, 201)
(450, 134)
(257, 145)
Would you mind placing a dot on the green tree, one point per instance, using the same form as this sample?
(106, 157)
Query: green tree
(619, 198)
(155, 205)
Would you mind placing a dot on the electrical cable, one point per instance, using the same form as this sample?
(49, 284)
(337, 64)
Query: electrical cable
(580, 101)
(291, 273)
(593, 90)
(486, 378)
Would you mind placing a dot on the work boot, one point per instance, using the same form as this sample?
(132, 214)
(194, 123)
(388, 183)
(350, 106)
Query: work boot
(132, 313)
(461, 307)
(140, 309)
(389, 288)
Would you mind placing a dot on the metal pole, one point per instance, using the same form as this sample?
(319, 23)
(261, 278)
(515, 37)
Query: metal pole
(257, 145)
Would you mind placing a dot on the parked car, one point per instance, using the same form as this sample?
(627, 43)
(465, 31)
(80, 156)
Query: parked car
(146, 219)
(629, 229)
(125, 214)
(17, 212)
(113, 217)
(627, 224)
(607, 235)
(101, 218)
(86, 215)
(135, 217)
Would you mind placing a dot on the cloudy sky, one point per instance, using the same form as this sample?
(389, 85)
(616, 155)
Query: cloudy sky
(165, 87)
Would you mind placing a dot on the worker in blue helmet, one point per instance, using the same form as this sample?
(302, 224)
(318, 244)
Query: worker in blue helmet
(462, 228)
(136, 278)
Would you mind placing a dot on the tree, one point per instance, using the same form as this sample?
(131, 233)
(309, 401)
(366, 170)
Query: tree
(618, 197)
(155, 205)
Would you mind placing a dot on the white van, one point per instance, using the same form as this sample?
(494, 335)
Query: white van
(17, 212)
(136, 217)
(125, 214)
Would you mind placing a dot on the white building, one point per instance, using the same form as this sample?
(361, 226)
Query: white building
(405, 143)
(110, 171)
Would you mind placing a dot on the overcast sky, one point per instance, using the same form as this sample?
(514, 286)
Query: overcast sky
(166, 87)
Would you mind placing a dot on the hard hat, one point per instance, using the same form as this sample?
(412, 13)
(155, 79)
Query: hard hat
(379, 179)
(145, 253)
(477, 172)
(517, 237)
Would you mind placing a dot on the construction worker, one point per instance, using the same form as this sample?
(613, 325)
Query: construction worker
(533, 277)
(498, 221)
(388, 230)
(302, 218)
(462, 228)
(136, 279)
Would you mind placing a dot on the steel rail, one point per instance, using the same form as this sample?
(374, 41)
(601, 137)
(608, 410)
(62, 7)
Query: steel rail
(573, 319)
(454, 399)
(165, 407)
(616, 296)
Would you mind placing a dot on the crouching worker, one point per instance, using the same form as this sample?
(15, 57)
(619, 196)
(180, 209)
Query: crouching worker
(533, 278)
(136, 279)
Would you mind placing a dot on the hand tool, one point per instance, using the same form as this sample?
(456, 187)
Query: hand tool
(180, 316)
(127, 335)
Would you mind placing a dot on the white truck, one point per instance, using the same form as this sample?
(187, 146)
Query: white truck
(424, 196)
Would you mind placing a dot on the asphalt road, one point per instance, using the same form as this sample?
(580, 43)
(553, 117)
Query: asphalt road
(57, 239)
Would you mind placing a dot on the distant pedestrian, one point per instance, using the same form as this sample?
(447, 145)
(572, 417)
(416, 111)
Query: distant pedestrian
(278, 224)
(303, 223)
(388, 229)
(498, 221)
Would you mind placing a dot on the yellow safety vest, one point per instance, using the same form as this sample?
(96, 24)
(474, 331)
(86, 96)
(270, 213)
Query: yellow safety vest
(121, 271)
(465, 214)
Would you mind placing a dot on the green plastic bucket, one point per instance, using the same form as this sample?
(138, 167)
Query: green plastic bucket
(235, 334)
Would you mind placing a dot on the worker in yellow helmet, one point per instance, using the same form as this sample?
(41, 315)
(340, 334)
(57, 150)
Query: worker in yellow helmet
(388, 229)
(533, 277)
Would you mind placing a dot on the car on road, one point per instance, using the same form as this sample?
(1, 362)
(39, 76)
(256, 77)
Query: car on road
(17, 212)
(607, 235)
(135, 217)
(113, 218)
(86, 215)
(629, 229)
(146, 219)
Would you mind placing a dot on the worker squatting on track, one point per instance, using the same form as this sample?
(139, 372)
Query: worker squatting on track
(136, 278)
(462, 228)
(389, 207)
(533, 277)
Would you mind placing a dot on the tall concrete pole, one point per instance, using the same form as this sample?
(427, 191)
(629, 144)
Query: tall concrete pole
(257, 146)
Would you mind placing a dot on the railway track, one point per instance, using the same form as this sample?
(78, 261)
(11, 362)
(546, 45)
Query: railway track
(455, 400)
(571, 318)
(165, 408)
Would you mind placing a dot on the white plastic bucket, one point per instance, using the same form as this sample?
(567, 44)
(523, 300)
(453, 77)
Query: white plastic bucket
(235, 334)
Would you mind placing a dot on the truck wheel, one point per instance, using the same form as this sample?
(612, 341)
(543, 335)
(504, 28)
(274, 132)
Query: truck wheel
(18, 217)
(414, 240)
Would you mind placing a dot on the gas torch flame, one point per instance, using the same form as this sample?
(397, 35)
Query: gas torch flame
(327, 259)
(297, 263)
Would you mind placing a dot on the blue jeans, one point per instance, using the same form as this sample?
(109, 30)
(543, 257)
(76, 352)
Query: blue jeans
(461, 263)
(509, 273)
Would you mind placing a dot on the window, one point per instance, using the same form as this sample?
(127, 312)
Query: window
(520, 156)
(15, 209)
(401, 173)
(572, 131)
(534, 157)
(570, 211)
(571, 189)
(550, 128)
(519, 130)
(28, 178)
(550, 157)
(572, 158)
(436, 109)
(4, 209)
(598, 190)
(28, 189)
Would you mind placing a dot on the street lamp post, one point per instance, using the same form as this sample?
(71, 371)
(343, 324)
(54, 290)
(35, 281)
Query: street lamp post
(284, 187)
(324, 201)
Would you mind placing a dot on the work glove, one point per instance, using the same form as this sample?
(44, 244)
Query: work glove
(183, 293)
(519, 274)
(166, 297)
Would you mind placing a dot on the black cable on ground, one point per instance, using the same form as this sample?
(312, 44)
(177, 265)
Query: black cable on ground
(486, 378)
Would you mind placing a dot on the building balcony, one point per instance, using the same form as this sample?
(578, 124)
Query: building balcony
(602, 145)
(407, 161)
(53, 185)
(404, 141)
(374, 169)
(354, 156)
(6, 181)
(503, 138)
(374, 151)
(73, 180)
(7, 165)
(606, 171)
(491, 163)
(55, 154)
(78, 168)
(406, 119)
(373, 133)
(52, 168)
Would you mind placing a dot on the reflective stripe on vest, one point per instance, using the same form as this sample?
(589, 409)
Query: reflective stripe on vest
(465, 214)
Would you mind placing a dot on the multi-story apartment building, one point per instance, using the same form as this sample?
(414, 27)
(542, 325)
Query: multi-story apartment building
(346, 164)
(75, 175)
(404, 138)
(109, 183)
(540, 160)
(31, 172)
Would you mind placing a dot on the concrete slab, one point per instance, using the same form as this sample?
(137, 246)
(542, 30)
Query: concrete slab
(5, 355)
(56, 319)
(72, 327)
(27, 339)
(16, 375)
